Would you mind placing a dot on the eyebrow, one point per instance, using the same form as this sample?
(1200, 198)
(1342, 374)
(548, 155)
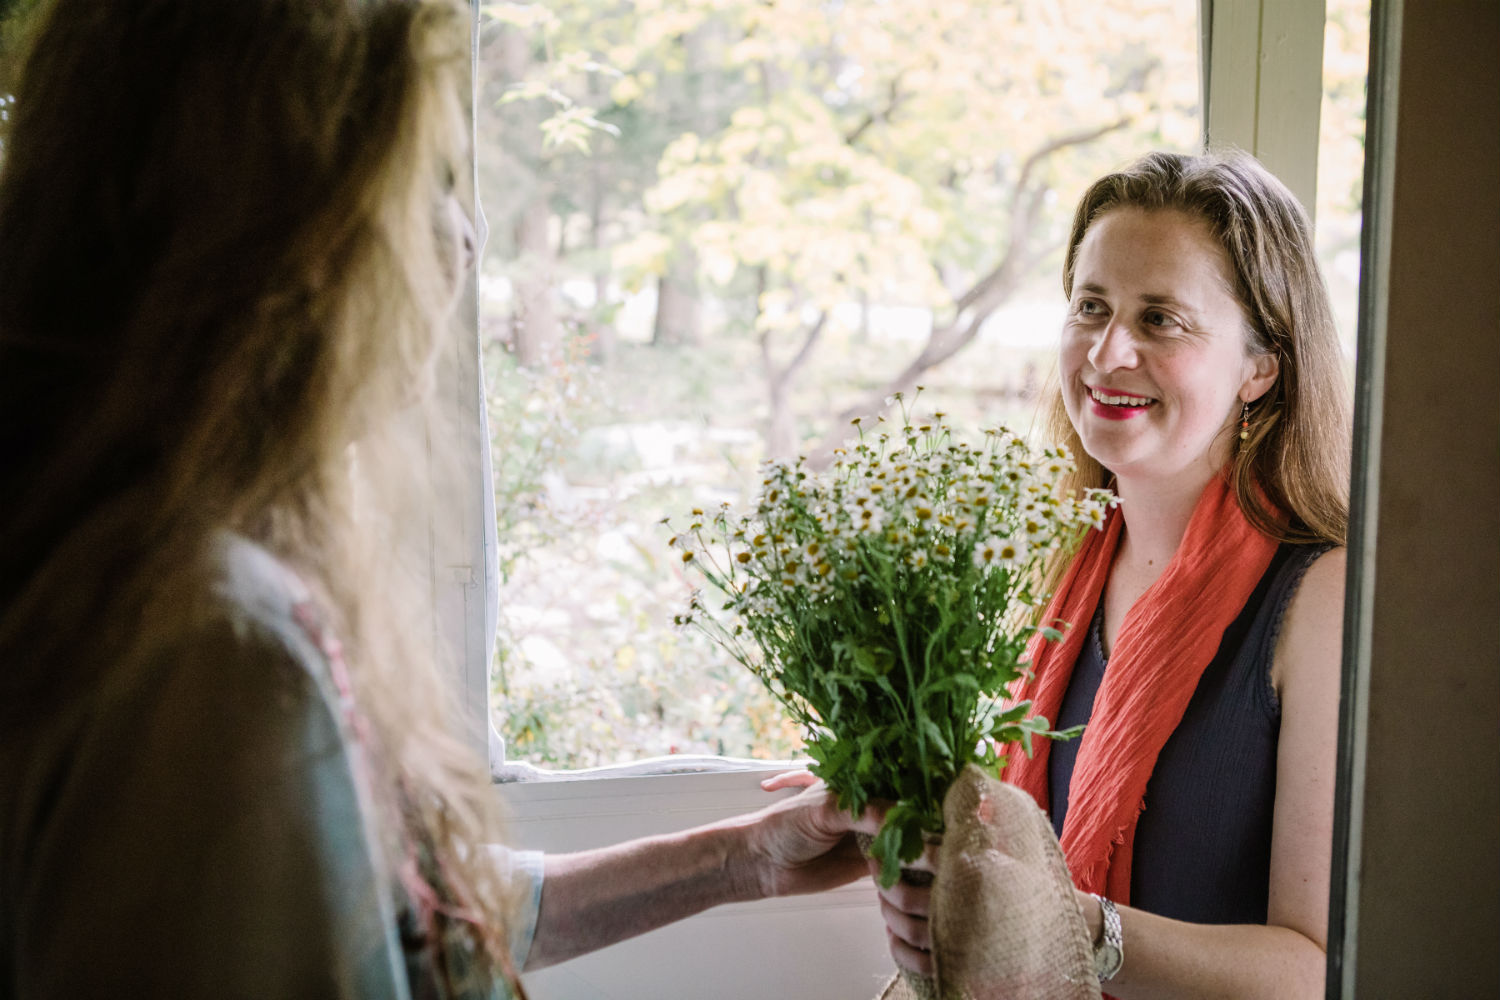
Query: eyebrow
(1149, 299)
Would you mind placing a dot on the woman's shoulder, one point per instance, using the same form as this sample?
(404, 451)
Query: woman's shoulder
(218, 640)
(1316, 586)
(244, 607)
(246, 586)
(1309, 639)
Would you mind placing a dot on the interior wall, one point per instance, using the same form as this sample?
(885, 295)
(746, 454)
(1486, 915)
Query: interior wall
(1427, 860)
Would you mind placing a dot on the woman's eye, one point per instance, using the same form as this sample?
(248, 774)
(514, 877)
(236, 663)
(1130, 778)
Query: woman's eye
(1157, 318)
(1088, 307)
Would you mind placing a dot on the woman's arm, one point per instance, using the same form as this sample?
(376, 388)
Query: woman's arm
(1286, 958)
(594, 898)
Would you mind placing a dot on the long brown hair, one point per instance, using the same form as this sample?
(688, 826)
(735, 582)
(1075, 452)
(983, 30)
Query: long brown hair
(221, 291)
(1291, 476)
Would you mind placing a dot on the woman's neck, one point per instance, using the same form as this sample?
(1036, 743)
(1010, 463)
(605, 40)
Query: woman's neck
(1156, 517)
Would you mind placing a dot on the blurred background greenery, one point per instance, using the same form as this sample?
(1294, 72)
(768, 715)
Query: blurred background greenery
(720, 229)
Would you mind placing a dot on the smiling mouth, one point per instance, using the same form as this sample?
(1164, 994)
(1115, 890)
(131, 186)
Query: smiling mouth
(1114, 399)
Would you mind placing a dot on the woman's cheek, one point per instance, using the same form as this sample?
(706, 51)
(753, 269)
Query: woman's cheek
(1072, 355)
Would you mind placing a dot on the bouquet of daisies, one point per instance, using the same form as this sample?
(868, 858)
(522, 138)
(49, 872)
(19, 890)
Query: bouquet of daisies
(887, 603)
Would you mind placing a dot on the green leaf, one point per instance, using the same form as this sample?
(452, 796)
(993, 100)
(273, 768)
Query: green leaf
(956, 682)
(899, 841)
(887, 850)
(935, 734)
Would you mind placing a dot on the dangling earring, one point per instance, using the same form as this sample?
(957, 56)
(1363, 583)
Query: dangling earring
(1244, 421)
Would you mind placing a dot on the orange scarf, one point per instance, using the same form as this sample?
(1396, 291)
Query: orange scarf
(1167, 639)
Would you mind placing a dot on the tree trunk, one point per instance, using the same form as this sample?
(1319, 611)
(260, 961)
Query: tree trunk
(601, 329)
(679, 319)
(781, 422)
(537, 331)
(678, 316)
(781, 419)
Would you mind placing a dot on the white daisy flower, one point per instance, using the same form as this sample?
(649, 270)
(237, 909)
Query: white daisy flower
(1012, 550)
(1036, 529)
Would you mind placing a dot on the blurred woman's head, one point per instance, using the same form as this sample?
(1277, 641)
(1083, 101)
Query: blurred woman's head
(217, 242)
(1293, 464)
(229, 252)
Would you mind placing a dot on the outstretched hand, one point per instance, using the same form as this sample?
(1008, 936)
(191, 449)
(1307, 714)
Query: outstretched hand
(805, 843)
(904, 907)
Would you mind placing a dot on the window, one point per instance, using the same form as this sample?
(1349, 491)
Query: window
(1341, 157)
(722, 230)
(653, 392)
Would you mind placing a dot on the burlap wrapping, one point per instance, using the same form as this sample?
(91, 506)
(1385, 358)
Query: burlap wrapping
(1005, 922)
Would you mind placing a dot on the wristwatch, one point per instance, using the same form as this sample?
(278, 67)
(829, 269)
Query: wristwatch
(1109, 950)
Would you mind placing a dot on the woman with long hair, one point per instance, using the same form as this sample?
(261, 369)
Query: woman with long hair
(229, 245)
(1200, 377)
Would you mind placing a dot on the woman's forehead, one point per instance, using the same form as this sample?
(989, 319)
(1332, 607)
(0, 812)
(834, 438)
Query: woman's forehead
(1161, 253)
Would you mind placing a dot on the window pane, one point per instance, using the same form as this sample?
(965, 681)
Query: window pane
(1341, 159)
(722, 228)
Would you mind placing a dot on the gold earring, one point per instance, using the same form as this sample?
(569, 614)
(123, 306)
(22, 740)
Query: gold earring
(1244, 421)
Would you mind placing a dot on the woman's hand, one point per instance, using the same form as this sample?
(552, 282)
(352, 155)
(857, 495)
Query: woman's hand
(904, 907)
(805, 843)
(906, 910)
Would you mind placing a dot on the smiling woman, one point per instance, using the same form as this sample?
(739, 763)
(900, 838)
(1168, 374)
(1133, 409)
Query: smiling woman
(1156, 362)
(1201, 793)
(1253, 278)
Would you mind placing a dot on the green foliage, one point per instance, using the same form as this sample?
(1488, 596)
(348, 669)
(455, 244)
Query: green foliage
(887, 605)
(589, 669)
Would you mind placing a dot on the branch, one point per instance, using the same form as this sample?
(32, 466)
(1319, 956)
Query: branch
(780, 375)
(894, 99)
(1023, 181)
(980, 301)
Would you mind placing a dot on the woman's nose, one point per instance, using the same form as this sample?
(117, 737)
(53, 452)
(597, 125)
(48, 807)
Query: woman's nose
(1114, 348)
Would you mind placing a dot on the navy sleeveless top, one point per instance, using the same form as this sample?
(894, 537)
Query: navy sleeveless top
(1203, 844)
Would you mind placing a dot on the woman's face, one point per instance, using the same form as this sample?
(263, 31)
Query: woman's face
(1155, 358)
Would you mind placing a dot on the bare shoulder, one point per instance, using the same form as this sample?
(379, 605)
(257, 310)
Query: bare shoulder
(1311, 637)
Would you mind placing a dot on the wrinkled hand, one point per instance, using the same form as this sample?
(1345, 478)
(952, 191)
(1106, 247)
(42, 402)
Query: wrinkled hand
(904, 907)
(805, 843)
(906, 910)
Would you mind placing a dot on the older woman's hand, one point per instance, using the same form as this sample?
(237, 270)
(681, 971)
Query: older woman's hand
(804, 843)
(904, 907)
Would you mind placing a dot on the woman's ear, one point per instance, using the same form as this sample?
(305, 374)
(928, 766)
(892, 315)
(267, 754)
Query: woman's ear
(1264, 369)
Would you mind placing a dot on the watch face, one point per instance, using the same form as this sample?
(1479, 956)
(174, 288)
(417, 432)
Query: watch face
(1107, 960)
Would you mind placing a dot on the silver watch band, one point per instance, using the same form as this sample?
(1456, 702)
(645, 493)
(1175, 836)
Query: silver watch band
(1109, 950)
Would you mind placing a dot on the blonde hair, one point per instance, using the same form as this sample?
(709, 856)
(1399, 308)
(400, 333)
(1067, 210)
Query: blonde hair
(1291, 476)
(221, 289)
